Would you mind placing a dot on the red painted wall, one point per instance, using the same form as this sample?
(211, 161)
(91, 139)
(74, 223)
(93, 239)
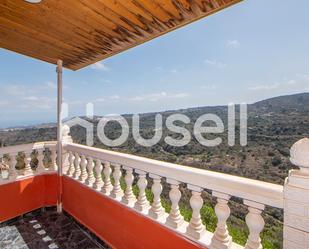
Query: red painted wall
(26, 195)
(116, 224)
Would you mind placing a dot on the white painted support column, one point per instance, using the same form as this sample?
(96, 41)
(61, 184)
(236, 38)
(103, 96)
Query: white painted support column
(142, 204)
(98, 183)
(59, 130)
(129, 198)
(157, 212)
(196, 229)
(255, 223)
(175, 219)
(296, 199)
(221, 238)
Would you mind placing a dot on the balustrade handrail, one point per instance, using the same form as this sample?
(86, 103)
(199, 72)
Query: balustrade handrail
(27, 147)
(252, 190)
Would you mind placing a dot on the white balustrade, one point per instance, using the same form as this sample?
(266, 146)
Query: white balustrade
(107, 187)
(157, 211)
(77, 170)
(53, 156)
(255, 223)
(22, 154)
(27, 160)
(12, 167)
(142, 204)
(65, 162)
(90, 179)
(174, 220)
(221, 238)
(255, 194)
(117, 192)
(83, 165)
(41, 167)
(129, 198)
(71, 168)
(196, 229)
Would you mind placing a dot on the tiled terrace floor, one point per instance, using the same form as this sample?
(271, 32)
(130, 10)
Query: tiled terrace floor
(47, 230)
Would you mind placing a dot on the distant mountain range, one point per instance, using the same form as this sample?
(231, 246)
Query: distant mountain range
(298, 102)
(273, 126)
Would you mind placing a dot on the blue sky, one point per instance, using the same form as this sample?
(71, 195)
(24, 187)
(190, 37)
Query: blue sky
(252, 51)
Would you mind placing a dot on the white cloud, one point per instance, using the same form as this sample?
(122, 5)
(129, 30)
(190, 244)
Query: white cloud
(106, 81)
(100, 66)
(159, 68)
(209, 87)
(31, 98)
(232, 44)
(3, 103)
(291, 82)
(114, 97)
(100, 100)
(303, 76)
(174, 70)
(34, 98)
(51, 85)
(215, 63)
(264, 87)
(154, 97)
(37, 103)
(15, 90)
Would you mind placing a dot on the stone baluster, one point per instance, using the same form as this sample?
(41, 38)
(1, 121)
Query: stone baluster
(98, 183)
(41, 167)
(107, 187)
(76, 166)
(90, 179)
(53, 156)
(65, 161)
(175, 219)
(129, 198)
(117, 192)
(27, 160)
(221, 238)
(12, 167)
(83, 165)
(71, 168)
(157, 212)
(196, 229)
(142, 204)
(255, 223)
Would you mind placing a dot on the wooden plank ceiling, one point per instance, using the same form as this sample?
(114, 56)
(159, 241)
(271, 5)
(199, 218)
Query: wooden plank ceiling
(82, 32)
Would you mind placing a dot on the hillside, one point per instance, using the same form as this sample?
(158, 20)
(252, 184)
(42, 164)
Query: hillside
(273, 126)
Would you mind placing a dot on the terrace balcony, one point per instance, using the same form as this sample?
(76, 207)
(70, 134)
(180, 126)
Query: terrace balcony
(126, 201)
(98, 190)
